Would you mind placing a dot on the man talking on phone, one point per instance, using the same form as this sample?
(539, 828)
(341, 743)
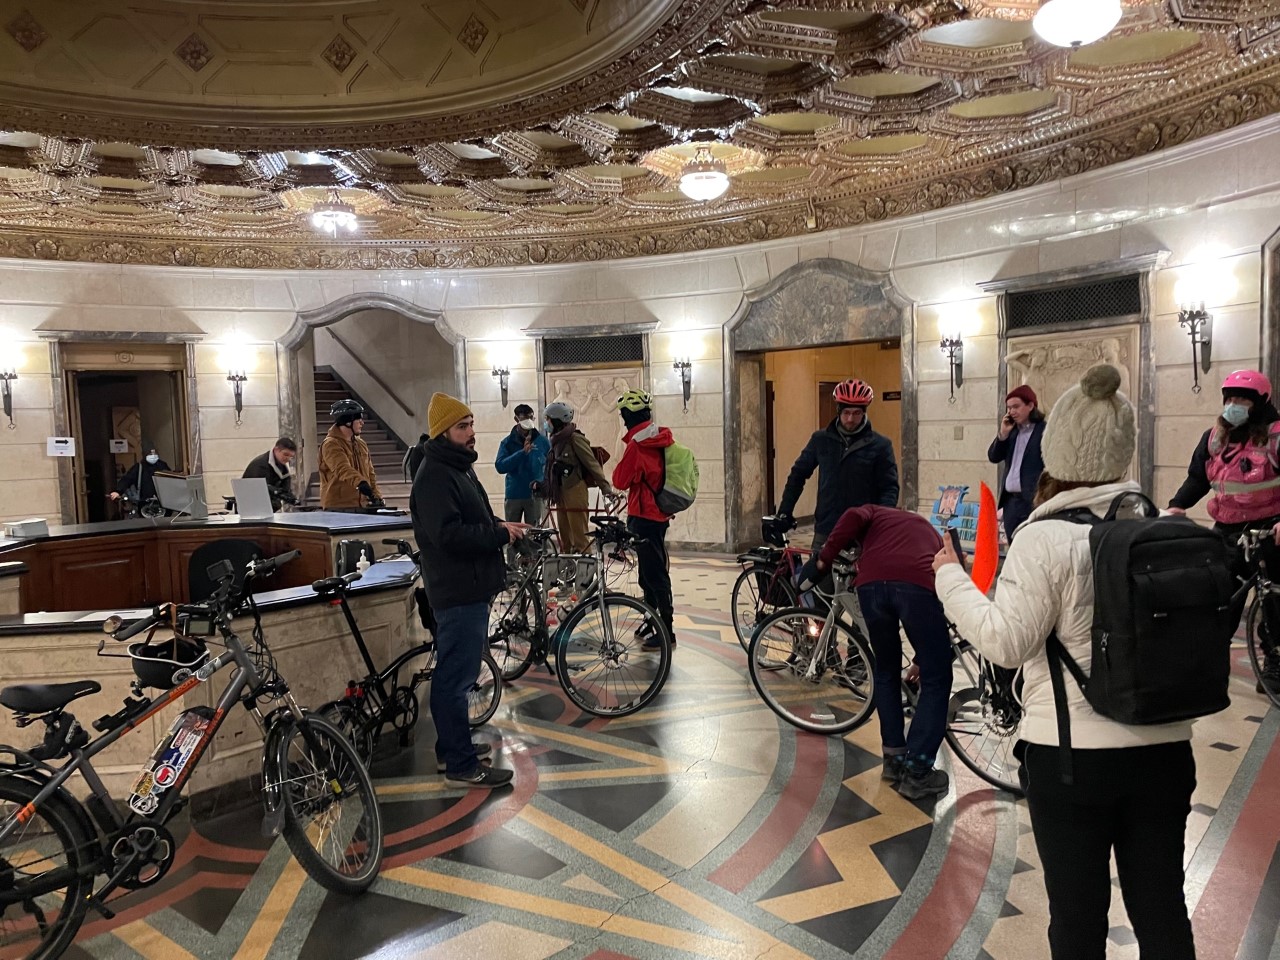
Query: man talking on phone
(1017, 445)
(895, 590)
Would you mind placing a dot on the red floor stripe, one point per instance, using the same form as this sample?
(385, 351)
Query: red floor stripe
(942, 916)
(1222, 914)
(778, 829)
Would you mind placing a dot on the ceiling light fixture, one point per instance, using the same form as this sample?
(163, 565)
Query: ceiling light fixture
(704, 177)
(333, 214)
(1076, 23)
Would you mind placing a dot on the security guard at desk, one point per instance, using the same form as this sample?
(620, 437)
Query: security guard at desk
(347, 479)
(276, 467)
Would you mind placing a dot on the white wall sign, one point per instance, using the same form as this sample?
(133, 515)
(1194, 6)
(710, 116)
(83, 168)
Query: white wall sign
(119, 446)
(61, 447)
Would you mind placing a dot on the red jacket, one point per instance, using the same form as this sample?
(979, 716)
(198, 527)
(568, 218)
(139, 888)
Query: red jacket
(641, 469)
(896, 544)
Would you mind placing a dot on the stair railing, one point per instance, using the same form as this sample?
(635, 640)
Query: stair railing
(372, 375)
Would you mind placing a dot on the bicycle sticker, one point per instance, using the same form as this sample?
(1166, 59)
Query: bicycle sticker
(164, 768)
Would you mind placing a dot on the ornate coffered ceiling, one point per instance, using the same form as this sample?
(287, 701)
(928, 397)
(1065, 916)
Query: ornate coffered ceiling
(477, 132)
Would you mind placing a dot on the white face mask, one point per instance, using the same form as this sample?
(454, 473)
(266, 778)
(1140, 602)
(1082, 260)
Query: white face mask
(526, 424)
(153, 458)
(1235, 413)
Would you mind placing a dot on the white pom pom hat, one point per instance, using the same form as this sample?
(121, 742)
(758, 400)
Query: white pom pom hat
(1091, 433)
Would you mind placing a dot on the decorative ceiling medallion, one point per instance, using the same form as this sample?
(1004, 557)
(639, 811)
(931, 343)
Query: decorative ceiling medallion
(339, 53)
(26, 31)
(473, 33)
(194, 52)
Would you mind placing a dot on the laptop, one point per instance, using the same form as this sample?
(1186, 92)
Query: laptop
(253, 500)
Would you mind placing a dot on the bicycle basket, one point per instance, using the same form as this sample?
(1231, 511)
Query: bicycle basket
(167, 663)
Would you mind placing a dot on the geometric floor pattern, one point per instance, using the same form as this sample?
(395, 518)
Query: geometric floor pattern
(700, 827)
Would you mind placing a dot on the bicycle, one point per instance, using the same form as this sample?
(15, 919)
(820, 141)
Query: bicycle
(368, 705)
(766, 584)
(1250, 543)
(53, 847)
(600, 663)
(796, 666)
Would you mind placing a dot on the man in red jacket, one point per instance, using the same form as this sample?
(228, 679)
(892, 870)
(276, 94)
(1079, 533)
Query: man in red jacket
(895, 587)
(640, 473)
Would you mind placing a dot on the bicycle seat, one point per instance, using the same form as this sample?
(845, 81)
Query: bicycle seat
(333, 584)
(43, 697)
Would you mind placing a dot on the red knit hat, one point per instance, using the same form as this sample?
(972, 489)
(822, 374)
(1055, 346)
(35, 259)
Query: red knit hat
(1023, 393)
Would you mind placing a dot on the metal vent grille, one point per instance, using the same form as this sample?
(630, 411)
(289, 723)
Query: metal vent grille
(1118, 297)
(592, 351)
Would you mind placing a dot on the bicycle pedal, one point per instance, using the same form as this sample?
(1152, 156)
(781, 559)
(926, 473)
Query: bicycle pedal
(97, 904)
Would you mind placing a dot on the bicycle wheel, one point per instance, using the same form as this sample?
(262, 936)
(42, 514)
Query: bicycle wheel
(818, 691)
(485, 694)
(353, 724)
(1252, 625)
(750, 609)
(600, 659)
(513, 618)
(45, 875)
(982, 722)
(331, 818)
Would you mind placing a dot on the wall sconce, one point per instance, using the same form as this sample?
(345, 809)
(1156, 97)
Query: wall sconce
(1198, 322)
(503, 376)
(685, 367)
(237, 378)
(953, 350)
(7, 376)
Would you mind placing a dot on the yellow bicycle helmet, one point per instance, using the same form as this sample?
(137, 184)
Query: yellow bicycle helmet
(635, 401)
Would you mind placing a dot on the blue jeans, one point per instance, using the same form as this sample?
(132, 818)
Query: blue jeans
(885, 605)
(461, 637)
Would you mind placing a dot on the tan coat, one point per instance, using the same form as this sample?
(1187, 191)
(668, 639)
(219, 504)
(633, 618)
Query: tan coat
(343, 464)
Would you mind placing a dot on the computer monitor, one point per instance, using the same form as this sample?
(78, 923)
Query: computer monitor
(253, 499)
(182, 495)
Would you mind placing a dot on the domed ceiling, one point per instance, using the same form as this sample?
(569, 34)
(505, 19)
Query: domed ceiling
(484, 132)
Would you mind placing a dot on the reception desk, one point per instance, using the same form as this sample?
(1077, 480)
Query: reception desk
(307, 635)
(137, 563)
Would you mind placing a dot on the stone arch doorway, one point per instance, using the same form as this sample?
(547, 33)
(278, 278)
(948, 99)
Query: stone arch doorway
(296, 356)
(813, 304)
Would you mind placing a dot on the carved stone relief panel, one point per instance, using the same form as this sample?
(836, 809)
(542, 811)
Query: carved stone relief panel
(592, 393)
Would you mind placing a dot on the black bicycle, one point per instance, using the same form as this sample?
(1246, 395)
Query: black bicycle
(370, 704)
(612, 652)
(53, 847)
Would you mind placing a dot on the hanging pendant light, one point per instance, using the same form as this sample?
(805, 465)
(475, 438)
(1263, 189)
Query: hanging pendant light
(333, 214)
(704, 177)
(1076, 23)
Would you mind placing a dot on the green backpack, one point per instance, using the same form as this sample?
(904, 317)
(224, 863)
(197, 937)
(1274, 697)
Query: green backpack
(679, 480)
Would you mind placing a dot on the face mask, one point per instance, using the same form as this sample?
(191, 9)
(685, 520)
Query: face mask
(1235, 414)
(153, 458)
(526, 424)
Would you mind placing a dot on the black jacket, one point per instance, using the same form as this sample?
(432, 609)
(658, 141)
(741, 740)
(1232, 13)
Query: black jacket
(460, 538)
(1032, 459)
(139, 478)
(864, 471)
(279, 487)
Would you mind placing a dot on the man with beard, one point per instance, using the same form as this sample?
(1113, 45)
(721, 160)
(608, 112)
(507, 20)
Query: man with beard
(461, 543)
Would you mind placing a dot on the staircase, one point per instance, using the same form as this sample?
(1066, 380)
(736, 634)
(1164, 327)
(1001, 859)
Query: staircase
(385, 448)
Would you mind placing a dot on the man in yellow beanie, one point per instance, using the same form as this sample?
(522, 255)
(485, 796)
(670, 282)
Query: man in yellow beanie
(461, 543)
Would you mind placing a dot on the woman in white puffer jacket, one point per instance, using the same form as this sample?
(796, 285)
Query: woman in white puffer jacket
(1132, 785)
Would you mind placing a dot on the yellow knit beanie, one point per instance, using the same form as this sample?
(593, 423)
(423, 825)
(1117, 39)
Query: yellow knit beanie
(443, 412)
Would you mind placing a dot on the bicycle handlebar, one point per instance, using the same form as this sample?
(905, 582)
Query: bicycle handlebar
(135, 628)
(261, 568)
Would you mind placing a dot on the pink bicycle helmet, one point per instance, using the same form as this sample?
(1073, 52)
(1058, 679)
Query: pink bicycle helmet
(1250, 380)
(853, 393)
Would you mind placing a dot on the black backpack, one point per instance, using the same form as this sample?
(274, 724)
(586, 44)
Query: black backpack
(413, 458)
(1162, 624)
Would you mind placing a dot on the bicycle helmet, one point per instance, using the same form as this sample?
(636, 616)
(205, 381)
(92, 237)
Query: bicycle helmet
(559, 410)
(853, 393)
(344, 412)
(635, 401)
(1247, 383)
(167, 663)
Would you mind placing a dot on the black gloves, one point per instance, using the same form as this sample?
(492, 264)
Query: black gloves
(808, 576)
(377, 503)
(365, 489)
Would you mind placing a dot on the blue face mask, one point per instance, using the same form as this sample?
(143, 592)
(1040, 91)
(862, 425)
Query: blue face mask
(1235, 414)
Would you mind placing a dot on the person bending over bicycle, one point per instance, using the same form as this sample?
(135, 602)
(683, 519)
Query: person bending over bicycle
(895, 589)
(1238, 459)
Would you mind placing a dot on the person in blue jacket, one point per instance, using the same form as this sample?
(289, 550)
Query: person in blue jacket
(522, 458)
(855, 464)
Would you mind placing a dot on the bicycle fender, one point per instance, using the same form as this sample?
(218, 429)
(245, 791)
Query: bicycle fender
(37, 774)
(274, 763)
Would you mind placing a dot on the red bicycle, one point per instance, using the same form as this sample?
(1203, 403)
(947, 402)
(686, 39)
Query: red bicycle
(767, 582)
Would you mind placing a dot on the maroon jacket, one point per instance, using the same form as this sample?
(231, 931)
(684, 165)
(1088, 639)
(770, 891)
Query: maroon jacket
(896, 544)
(642, 469)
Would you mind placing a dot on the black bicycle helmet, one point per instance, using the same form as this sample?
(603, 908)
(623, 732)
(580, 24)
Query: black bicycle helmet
(344, 412)
(167, 663)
